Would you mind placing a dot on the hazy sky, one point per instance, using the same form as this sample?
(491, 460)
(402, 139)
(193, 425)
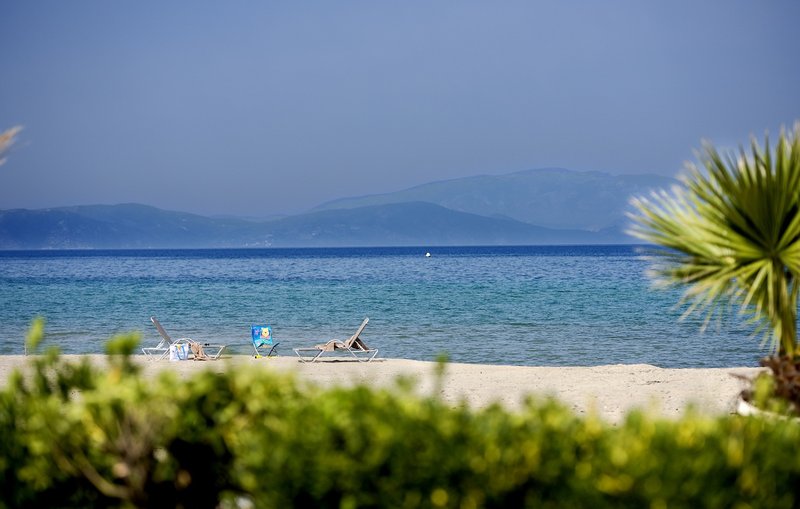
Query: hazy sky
(253, 108)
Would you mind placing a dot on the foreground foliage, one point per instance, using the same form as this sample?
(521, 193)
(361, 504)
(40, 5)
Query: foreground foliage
(72, 435)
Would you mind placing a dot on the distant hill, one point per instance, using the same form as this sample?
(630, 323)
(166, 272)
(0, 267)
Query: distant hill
(550, 206)
(115, 226)
(139, 226)
(552, 198)
(418, 223)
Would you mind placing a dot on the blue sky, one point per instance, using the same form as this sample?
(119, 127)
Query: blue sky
(255, 108)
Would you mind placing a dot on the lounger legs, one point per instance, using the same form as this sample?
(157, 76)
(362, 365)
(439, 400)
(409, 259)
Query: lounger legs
(356, 354)
(364, 358)
(306, 359)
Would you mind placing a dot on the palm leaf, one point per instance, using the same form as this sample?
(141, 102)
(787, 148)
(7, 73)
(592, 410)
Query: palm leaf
(731, 234)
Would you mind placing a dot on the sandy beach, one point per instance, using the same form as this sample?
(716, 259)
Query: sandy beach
(610, 391)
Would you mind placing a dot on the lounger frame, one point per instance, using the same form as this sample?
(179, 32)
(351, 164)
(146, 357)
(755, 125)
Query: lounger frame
(355, 346)
(161, 350)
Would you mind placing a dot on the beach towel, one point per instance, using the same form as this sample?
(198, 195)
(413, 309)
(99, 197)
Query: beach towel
(197, 350)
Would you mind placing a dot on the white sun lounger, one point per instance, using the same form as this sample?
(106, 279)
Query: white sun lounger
(161, 350)
(354, 346)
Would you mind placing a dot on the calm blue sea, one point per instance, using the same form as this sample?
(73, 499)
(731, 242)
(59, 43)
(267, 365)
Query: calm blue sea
(536, 306)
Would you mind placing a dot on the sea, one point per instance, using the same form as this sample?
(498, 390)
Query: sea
(524, 305)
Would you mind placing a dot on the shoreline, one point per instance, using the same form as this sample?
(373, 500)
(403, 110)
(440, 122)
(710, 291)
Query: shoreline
(610, 391)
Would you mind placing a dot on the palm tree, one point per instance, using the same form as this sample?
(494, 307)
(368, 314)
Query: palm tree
(731, 235)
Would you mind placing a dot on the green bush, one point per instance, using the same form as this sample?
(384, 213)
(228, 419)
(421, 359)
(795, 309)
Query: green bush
(77, 436)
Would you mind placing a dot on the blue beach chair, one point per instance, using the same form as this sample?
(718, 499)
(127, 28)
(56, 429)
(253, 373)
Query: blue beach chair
(262, 338)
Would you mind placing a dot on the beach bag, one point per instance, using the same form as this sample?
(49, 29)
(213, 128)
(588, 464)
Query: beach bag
(179, 352)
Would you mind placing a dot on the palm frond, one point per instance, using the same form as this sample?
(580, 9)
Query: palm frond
(731, 234)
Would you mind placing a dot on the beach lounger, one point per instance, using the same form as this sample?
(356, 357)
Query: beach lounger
(200, 351)
(262, 338)
(159, 351)
(354, 346)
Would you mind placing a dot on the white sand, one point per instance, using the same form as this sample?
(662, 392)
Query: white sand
(610, 391)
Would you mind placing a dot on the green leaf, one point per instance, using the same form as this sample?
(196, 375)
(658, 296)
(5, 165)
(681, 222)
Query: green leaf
(733, 234)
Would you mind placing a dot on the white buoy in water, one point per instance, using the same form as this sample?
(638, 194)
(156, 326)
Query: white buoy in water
(427, 255)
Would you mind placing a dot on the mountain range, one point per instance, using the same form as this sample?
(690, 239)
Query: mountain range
(549, 197)
(549, 206)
